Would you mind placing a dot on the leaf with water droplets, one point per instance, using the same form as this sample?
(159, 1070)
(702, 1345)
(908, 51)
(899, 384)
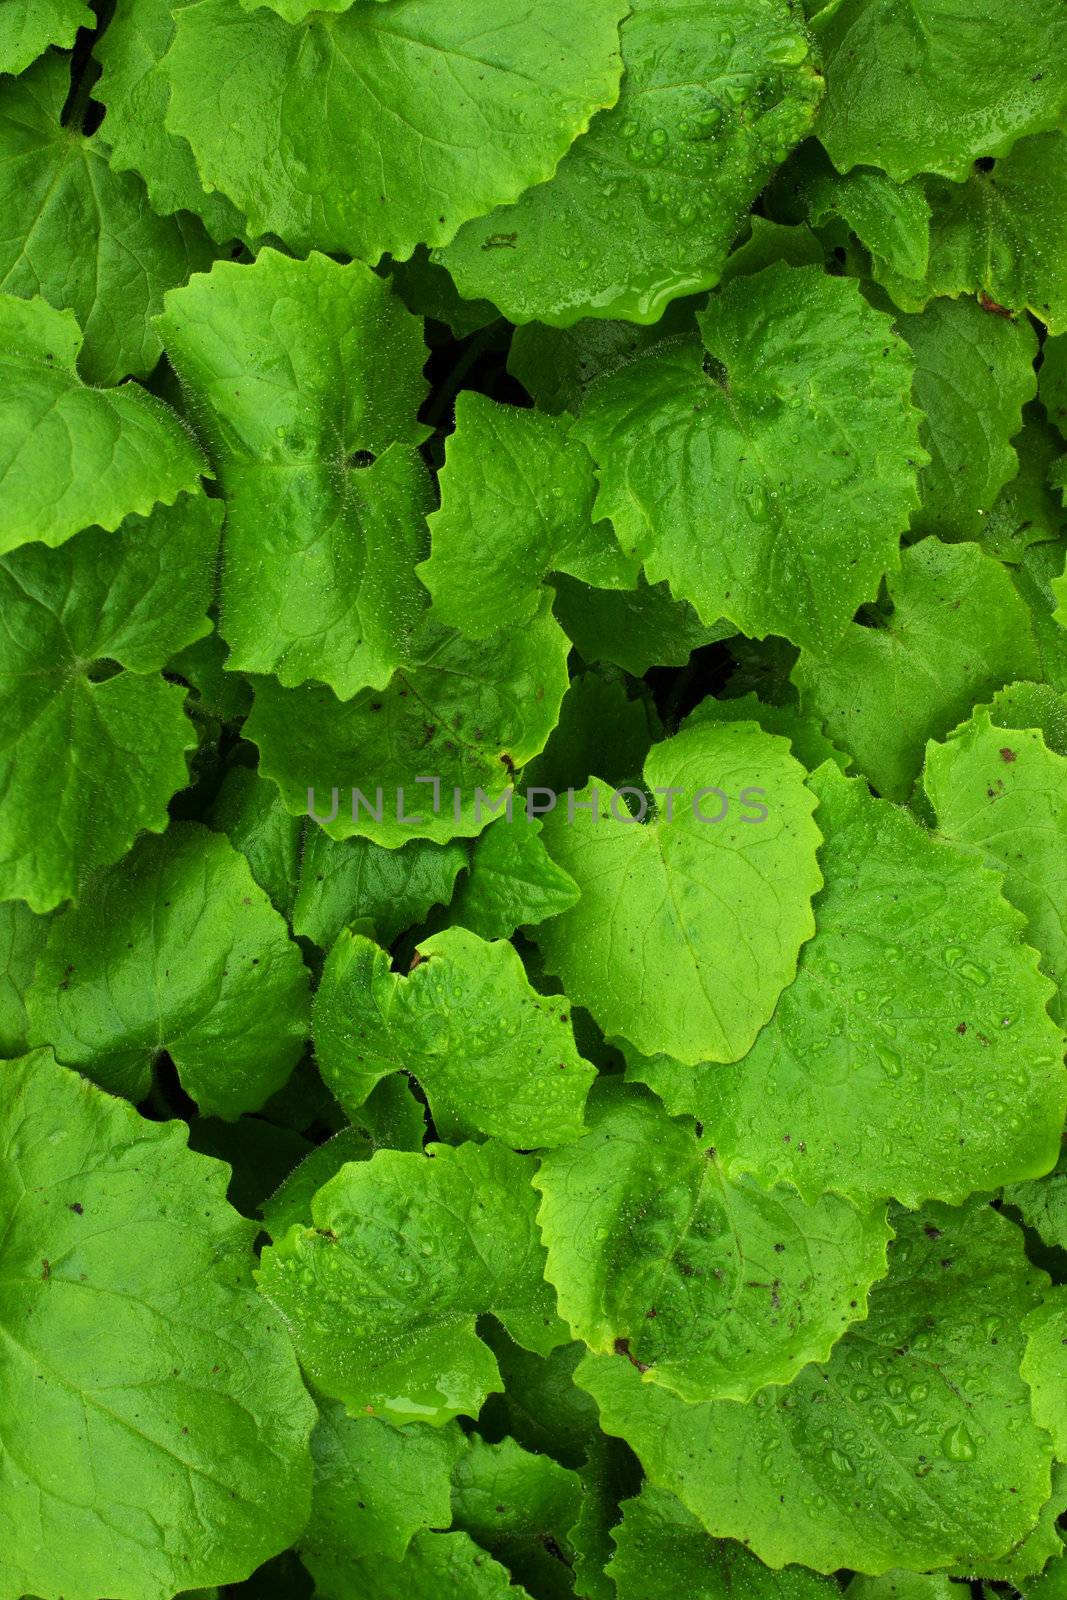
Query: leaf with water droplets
(1005, 797)
(711, 1285)
(492, 1055)
(176, 949)
(146, 1383)
(1002, 236)
(933, 85)
(521, 1507)
(294, 369)
(345, 881)
(390, 125)
(689, 925)
(662, 1553)
(407, 1251)
(467, 713)
(788, 431)
(517, 494)
(90, 754)
(914, 1055)
(957, 631)
(513, 881)
(646, 205)
(1044, 1365)
(912, 1447)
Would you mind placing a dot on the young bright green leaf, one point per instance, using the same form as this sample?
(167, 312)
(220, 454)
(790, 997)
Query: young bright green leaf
(492, 1055)
(82, 235)
(632, 628)
(973, 374)
(933, 85)
(789, 433)
(177, 949)
(391, 1119)
(913, 1447)
(1002, 236)
(1044, 1366)
(517, 493)
(712, 1285)
(226, 696)
(903, 1585)
(645, 207)
(89, 754)
(352, 880)
(145, 1385)
(292, 367)
(688, 930)
(1005, 797)
(1033, 705)
(136, 93)
(520, 1507)
(956, 633)
(387, 126)
(662, 1552)
(28, 27)
(375, 1488)
(914, 1055)
(468, 713)
(382, 1294)
(298, 10)
(891, 219)
(22, 937)
(513, 881)
(71, 456)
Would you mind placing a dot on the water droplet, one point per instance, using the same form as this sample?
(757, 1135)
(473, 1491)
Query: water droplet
(957, 1444)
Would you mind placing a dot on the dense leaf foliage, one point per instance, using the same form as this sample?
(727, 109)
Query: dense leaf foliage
(533, 799)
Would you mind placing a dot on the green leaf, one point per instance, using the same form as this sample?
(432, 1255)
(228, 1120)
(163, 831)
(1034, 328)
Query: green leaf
(136, 93)
(298, 10)
(521, 1508)
(347, 881)
(513, 881)
(22, 937)
(96, 751)
(901, 1585)
(688, 930)
(557, 365)
(146, 1384)
(71, 456)
(1002, 235)
(293, 367)
(468, 713)
(375, 1488)
(1053, 381)
(1005, 797)
(492, 1055)
(540, 1405)
(914, 1055)
(933, 85)
(407, 1251)
(247, 810)
(645, 207)
(1027, 511)
(973, 374)
(1043, 1203)
(807, 740)
(891, 219)
(711, 1285)
(1038, 579)
(661, 1552)
(391, 1119)
(82, 235)
(224, 695)
(788, 431)
(1044, 1366)
(633, 628)
(436, 1564)
(600, 729)
(517, 493)
(1033, 705)
(175, 949)
(389, 126)
(957, 632)
(259, 1154)
(28, 27)
(913, 1447)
